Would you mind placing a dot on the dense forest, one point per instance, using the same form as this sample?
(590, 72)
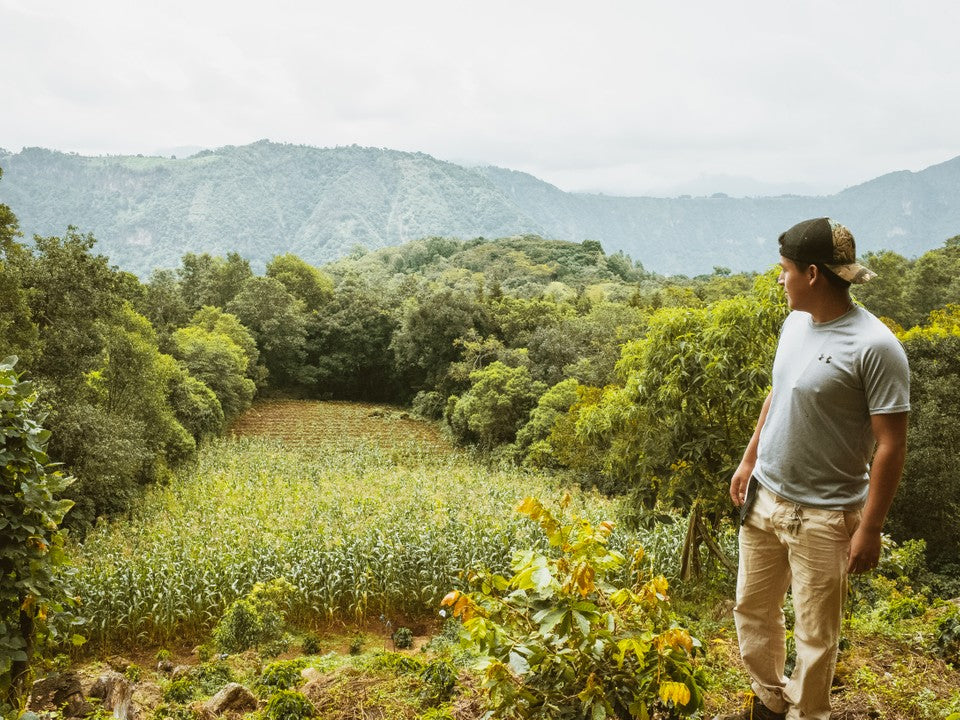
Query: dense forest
(538, 353)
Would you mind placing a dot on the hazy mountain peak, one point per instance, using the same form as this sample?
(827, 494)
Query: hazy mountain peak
(267, 198)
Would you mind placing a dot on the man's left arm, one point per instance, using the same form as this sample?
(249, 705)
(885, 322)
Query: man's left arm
(890, 432)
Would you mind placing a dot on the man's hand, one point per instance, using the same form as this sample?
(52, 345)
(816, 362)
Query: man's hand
(864, 550)
(738, 483)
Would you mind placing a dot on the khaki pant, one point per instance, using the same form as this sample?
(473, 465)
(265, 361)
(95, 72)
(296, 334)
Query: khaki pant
(784, 545)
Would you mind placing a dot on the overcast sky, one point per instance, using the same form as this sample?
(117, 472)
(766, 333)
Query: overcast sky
(626, 98)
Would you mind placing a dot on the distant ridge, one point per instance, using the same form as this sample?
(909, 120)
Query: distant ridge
(268, 198)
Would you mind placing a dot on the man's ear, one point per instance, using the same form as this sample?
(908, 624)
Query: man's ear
(813, 273)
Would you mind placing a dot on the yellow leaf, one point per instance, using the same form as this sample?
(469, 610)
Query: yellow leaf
(450, 598)
(674, 638)
(529, 506)
(677, 693)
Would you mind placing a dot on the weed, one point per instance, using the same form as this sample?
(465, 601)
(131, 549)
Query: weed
(180, 691)
(311, 644)
(280, 675)
(288, 705)
(402, 638)
(356, 644)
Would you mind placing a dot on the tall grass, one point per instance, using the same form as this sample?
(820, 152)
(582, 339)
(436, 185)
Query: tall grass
(360, 531)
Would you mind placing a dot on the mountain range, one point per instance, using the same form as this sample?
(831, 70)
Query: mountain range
(267, 198)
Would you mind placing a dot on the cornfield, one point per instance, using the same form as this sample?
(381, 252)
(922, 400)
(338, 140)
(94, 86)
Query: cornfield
(361, 529)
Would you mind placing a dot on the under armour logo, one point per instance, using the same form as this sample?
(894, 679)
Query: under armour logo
(825, 358)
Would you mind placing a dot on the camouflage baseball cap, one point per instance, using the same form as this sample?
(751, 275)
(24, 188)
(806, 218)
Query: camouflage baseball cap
(823, 241)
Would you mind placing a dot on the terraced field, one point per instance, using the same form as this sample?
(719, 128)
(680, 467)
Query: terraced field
(307, 423)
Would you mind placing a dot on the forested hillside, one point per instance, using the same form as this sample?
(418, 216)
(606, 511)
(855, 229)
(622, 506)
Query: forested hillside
(264, 199)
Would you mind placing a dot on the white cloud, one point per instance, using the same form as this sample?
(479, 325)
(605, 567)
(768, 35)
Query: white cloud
(617, 96)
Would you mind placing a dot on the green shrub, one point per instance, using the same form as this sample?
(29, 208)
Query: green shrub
(397, 663)
(311, 645)
(559, 634)
(254, 620)
(402, 638)
(180, 691)
(277, 646)
(170, 712)
(429, 404)
(356, 644)
(948, 638)
(439, 678)
(288, 705)
(211, 677)
(280, 675)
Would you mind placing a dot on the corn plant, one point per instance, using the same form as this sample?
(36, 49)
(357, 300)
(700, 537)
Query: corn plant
(359, 529)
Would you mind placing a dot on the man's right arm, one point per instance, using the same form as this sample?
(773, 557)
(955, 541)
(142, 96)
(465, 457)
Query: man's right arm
(738, 483)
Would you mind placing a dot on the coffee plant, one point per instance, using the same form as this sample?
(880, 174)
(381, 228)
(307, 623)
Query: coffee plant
(562, 641)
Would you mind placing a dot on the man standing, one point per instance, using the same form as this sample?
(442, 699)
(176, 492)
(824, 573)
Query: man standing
(820, 472)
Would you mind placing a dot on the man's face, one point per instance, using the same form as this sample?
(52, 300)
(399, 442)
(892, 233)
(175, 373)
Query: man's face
(795, 284)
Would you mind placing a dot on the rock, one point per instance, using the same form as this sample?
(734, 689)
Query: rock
(116, 692)
(120, 664)
(146, 697)
(180, 672)
(165, 667)
(60, 690)
(234, 697)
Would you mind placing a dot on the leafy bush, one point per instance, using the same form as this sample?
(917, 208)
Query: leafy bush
(440, 679)
(165, 711)
(280, 675)
(559, 638)
(210, 677)
(948, 638)
(31, 544)
(356, 644)
(311, 644)
(496, 405)
(255, 619)
(397, 663)
(288, 705)
(402, 638)
(180, 691)
(429, 404)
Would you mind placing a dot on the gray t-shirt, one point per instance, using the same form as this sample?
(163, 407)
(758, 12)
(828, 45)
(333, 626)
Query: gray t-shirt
(828, 379)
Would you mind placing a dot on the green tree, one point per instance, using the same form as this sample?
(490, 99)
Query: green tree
(121, 430)
(927, 505)
(934, 281)
(18, 334)
(279, 323)
(532, 439)
(74, 296)
(218, 362)
(430, 322)
(210, 280)
(349, 343)
(496, 405)
(31, 543)
(163, 304)
(302, 280)
(194, 405)
(214, 320)
(885, 295)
